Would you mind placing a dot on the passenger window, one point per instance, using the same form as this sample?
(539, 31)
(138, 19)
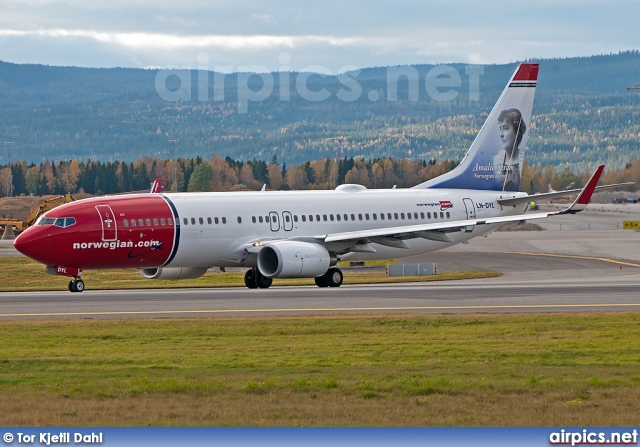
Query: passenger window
(346, 217)
(162, 221)
(415, 216)
(239, 219)
(126, 222)
(422, 216)
(331, 217)
(441, 215)
(295, 218)
(408, 215)
(324, 216)
(359, 216)
(310, 217)
(201, 220)
(402, 216)
(209, 220)
(170, 222)
(428, 215)
(224, 220)
(338, 217)
(381, 216)
(366, 216)
(193, 221)
(435, 215)
(318, 217)
(148, 222)
(304, 218)
(375, 216)
(216, 220)
(353, 217)
(140, 223)
(388, 216)
(133, 222)
(253, 219)
(395, 216)
(155, 222)
(287, 218)
(260, 219)
(186, 221)
(448, 215)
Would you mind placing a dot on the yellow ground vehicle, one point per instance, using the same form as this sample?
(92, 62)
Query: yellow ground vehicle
(37, 211)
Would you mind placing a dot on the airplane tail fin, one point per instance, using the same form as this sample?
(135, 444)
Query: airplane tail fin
(494, 160)
(158, 186)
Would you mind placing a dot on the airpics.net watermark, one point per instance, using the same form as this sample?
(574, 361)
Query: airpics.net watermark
(255, 83)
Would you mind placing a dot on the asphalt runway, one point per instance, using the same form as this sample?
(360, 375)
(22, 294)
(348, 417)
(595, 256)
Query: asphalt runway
(545, 271)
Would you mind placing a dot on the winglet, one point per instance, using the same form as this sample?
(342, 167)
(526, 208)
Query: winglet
(584, 197)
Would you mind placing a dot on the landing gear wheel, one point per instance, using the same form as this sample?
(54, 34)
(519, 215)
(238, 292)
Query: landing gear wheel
(250, 279)
(77, 285)
(262, 281)
(334, 277)
(253, 279)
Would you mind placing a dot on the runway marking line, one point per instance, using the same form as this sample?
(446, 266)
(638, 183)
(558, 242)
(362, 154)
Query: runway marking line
(328, 309)
(555, 255)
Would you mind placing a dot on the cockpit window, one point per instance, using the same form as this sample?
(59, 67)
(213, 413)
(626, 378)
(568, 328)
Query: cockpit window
(46, 221)
(61, 222)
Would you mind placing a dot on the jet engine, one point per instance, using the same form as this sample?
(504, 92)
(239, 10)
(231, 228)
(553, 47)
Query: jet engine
(174, 272)
(293, 259)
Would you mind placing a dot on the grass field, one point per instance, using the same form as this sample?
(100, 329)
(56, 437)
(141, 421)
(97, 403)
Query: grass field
(400, 370)
(23, 274)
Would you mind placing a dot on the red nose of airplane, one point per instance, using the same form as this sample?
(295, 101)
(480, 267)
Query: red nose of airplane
(32, 243)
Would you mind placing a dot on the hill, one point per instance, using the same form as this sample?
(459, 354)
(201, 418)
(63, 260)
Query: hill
(583, 114)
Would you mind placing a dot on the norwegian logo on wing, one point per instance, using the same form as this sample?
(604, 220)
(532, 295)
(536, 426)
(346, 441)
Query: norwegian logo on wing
(445, 205)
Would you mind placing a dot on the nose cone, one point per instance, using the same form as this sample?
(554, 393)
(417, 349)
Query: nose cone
(31, 243)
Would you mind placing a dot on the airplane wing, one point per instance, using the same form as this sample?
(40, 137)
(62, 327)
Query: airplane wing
(393, 236)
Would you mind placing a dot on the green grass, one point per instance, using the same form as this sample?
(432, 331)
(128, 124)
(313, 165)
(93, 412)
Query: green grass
(23, 274)
(534, 369)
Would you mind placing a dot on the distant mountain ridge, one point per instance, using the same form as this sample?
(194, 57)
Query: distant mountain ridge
(583, 114)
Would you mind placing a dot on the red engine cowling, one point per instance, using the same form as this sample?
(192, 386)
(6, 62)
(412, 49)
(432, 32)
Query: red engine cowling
(174, 272)
(293, 259)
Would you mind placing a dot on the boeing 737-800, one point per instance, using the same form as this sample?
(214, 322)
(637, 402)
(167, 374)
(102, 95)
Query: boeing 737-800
(284, 234)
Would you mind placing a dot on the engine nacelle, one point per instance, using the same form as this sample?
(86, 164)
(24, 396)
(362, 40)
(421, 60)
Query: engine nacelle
(293, 259)
(174, 272)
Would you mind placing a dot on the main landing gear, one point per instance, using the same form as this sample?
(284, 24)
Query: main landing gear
(333, 278)
(76, 285)
(253, 279)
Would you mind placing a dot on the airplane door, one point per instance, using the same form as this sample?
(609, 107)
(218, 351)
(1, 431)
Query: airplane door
(471, 213)
(108, 219)
(274, 221)
(287, 221)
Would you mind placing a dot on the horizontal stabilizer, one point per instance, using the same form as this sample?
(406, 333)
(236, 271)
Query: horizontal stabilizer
(552, 195)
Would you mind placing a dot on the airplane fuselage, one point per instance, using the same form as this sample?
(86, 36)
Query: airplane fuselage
(214, 229)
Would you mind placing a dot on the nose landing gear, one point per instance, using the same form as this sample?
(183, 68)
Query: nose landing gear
(76, 285)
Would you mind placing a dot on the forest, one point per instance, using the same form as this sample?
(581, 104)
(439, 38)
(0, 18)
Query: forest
(217, 174)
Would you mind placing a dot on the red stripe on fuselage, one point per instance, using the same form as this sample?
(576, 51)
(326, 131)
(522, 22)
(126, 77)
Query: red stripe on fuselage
(83, 244)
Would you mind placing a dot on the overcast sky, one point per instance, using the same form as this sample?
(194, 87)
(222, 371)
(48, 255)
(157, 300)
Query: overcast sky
(297, 35)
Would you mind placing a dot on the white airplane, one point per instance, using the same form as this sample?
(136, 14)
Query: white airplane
(301, 233)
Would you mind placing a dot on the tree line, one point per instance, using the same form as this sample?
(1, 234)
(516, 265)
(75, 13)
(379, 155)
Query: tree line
(217, 174)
